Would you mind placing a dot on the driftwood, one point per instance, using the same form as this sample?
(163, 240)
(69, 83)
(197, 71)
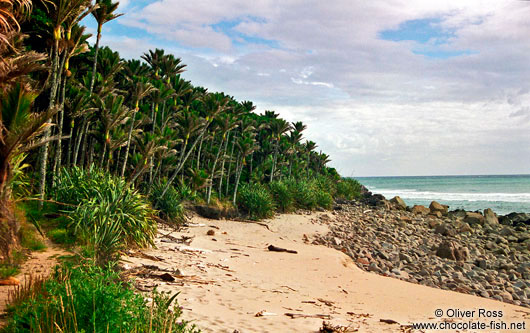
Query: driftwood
(279, 249)
(301, 315)
(388, 321)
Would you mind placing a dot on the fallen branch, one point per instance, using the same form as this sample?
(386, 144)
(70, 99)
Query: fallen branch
(280, 249)
(301, 315)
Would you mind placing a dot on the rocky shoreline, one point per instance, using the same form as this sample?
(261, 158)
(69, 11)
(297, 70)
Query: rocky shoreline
(468, 252)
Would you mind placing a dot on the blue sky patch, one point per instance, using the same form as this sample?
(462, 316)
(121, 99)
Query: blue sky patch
(432, 39)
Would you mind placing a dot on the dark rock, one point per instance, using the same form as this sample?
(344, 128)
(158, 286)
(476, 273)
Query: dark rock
(444, 230)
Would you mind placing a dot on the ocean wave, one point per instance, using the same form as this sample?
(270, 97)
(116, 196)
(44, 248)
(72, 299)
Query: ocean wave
(455, 196)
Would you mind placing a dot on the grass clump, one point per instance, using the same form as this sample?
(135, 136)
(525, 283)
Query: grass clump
(283, 197)
(88, 298)
(303, 192)
(323, 199)
(169, 206)
(348, 189)
(256, 201)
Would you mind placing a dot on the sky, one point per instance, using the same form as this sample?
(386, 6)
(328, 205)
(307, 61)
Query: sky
(386, 88)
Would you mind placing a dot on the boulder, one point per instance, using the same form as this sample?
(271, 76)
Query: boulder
(398, 203)
(420, 210)
(490, 218)
(449, 250)
(437, 207)
(474, 218)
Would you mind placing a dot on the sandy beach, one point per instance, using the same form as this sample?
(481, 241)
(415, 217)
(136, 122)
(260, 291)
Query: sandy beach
(230, 282)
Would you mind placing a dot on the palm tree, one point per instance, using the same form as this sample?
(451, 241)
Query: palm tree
(142, 89)
(247, 145)
(278, 127)
(103, 14)
(19, 132)
(309, 147)
(65, 13)
(112, 114)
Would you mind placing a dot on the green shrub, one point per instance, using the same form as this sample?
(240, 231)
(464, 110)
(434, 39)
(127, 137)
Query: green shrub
(283, 198)
(88, 298)
(109, 214)
(348, 189)
(324, 199)
(326, 183)
(256, 201)
(303, 192)
(169, 206)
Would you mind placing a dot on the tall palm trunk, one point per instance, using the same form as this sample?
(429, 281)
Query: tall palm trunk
(81, 134)
(129, 141)
(230, 165)
(239, 169)
(60, 115)
(47, 132)
(213, 170)
(274, 161)
(223, 159)
(94, 65)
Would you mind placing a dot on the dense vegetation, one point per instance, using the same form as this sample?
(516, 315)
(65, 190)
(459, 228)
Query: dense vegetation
(105, 147)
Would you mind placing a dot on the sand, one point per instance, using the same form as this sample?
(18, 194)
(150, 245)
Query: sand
(38, 264)
(234, 277)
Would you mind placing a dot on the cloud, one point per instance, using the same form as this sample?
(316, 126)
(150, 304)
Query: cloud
(443, 102)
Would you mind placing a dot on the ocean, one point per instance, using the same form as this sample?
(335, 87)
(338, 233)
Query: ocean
(504, 194)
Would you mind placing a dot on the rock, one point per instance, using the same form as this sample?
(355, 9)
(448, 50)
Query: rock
(474, 218)
(449, 250)
(420, 210)
(398, 203)
(465, 228)
(444, 230)
(435, 214)
(363, 261)
(506, 296)
(210, 232)
(437, 207)
(490, 218)
(10, 281)
(433, 223)
(457, 214)
(514, 219)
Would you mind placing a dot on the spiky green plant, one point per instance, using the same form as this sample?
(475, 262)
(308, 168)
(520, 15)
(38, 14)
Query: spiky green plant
(283, 197)
(256, 201)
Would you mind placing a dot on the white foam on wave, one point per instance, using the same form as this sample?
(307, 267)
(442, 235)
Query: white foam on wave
(455, 196)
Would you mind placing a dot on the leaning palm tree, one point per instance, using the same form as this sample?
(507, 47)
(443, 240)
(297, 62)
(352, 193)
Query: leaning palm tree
(103, 14)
